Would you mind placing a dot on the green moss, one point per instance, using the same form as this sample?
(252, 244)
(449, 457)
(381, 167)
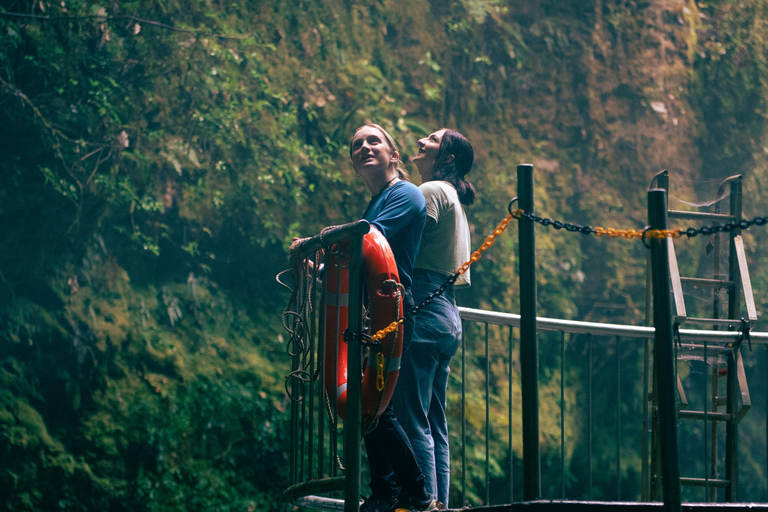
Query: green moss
(30, 430)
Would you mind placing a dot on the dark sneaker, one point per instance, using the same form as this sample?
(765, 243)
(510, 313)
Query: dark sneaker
(379, 504)
(410, 504)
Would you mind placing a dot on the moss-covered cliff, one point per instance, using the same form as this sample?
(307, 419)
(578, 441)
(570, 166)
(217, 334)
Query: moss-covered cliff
(159, 157)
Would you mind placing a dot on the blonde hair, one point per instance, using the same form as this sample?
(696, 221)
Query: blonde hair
(401, 173)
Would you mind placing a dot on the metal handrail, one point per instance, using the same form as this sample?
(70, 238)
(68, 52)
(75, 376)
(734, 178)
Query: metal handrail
(601, 329)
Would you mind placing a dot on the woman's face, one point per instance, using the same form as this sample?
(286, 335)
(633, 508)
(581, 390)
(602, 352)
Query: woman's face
(371, 152)
(425, 158)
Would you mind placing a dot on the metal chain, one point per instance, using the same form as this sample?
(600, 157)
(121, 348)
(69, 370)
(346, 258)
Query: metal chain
(640, 233)
(585, 230)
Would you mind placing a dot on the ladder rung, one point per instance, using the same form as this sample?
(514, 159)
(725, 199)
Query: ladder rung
(712, 283)
(703, 482)
(712, 416)
(679, 214)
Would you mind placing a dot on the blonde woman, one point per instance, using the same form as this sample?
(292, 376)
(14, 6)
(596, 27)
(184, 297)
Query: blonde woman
(396, 209)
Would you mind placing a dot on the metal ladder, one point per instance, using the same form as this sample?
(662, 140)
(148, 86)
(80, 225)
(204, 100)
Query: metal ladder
(734, 395)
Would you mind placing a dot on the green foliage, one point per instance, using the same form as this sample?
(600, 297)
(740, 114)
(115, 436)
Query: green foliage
(157, 399)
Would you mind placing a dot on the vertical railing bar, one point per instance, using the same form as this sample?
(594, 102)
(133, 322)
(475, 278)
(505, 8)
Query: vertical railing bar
(487, 419)
(352, 432)
(511, 451)
(312, 361)
(294, 435)
(717, 241)
(706, 422)
(298, 404)
(302, 298)
(322, 391)
(713, 444)
(562, 415)
(675, 355)
(463, 418)
(304, 438)
(618, 418)
(645, 452)
(589, 415)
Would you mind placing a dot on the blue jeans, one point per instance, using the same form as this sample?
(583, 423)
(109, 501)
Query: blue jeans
(420, 397)
(394, 469)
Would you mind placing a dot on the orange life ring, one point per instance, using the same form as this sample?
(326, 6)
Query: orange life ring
(384, 307)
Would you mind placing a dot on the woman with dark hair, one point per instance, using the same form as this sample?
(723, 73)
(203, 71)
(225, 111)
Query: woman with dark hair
(443, 160)
(397, 210)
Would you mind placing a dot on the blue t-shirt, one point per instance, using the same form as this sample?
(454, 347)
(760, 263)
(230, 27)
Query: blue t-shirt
(399, 213)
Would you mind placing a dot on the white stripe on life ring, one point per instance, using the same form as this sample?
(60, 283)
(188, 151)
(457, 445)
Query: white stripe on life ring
(341, 389)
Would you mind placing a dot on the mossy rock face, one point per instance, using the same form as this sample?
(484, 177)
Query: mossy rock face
(154, 174)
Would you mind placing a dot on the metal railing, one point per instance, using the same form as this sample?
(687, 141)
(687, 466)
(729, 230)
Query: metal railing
(324, 452)
(603, 363)
(612, 366)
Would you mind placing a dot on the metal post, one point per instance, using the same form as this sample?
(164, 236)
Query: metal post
(529, 349)
(354, 377)
(649, 453)
(734, 311)
(663, 355)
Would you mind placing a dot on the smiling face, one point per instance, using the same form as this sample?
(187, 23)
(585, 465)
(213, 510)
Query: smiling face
(428, 150)
(371, 153)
